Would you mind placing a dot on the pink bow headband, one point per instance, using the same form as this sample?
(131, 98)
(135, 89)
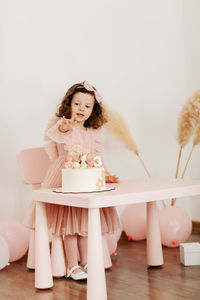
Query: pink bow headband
(89, 87)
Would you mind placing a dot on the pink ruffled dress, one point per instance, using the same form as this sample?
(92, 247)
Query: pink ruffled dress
(66, 219)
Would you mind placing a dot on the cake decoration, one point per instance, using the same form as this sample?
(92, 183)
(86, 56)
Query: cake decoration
(76, 159)
(101, 180)
(83, 172)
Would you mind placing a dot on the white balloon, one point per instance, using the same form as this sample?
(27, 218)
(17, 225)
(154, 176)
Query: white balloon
(4, 253)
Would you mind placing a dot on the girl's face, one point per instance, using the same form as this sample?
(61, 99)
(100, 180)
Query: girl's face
(82, 106)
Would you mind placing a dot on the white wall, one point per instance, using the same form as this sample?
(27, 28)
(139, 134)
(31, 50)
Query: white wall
(192, 76)
(134, 52)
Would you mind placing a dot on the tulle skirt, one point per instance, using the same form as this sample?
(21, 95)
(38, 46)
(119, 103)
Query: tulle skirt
(64, 220)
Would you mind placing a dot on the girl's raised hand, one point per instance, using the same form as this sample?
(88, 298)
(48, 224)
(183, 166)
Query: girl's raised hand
(112, 179)
(67, 124)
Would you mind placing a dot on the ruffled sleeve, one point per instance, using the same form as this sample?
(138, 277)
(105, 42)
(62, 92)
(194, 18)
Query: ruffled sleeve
(49, 145)
(53, 136)
(99, 141)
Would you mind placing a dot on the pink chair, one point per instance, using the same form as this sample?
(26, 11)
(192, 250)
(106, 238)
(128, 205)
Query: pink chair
(34, 163)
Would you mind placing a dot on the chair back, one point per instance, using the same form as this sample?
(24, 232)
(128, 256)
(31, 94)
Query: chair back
(34, 163)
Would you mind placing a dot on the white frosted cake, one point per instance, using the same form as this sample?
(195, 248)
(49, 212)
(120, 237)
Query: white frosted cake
(83, 172)
(83, 180)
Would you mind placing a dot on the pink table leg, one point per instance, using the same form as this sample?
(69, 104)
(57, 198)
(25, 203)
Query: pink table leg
(96, 282)
(58, 263)
(43, 273)
(154, 246)
(31, 251)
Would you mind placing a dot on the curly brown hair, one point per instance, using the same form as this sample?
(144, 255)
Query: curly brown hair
(97, 118)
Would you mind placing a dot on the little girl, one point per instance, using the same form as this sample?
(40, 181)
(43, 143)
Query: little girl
(79, 120)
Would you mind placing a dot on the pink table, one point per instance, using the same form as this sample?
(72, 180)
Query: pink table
(127, 192)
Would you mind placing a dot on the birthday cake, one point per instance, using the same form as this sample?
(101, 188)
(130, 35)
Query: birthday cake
(82, 172)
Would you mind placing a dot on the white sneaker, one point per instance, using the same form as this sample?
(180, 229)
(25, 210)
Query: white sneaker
(76, 276)
(85, 268)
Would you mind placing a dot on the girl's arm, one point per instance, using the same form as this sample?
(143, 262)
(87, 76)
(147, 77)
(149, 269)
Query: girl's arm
(49, 145)
(58, 131)
(51, 150)
(67, 124)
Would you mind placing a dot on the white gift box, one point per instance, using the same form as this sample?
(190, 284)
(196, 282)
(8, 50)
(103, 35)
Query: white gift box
(190, 254)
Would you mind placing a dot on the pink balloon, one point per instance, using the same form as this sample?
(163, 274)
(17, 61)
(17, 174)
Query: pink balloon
(134, 221)
(112, 243)
(175, 226)
(16, 236)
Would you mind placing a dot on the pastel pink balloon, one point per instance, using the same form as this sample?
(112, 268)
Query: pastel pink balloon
(134, 221)
(4, 253)
(175, 226)
(16, 236)
(112, 243)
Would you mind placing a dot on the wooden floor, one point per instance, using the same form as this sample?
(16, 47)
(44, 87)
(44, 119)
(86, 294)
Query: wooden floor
(129, 278)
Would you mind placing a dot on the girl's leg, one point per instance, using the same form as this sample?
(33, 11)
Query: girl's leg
(83, 248)
(83, 251)
(71, 250)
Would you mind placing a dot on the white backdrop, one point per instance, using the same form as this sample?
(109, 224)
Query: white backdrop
(143, 57)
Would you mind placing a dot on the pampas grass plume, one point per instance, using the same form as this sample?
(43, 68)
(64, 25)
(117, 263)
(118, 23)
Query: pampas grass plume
(117, 126)
(188, 119)
(196, 139)
(188, 124)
